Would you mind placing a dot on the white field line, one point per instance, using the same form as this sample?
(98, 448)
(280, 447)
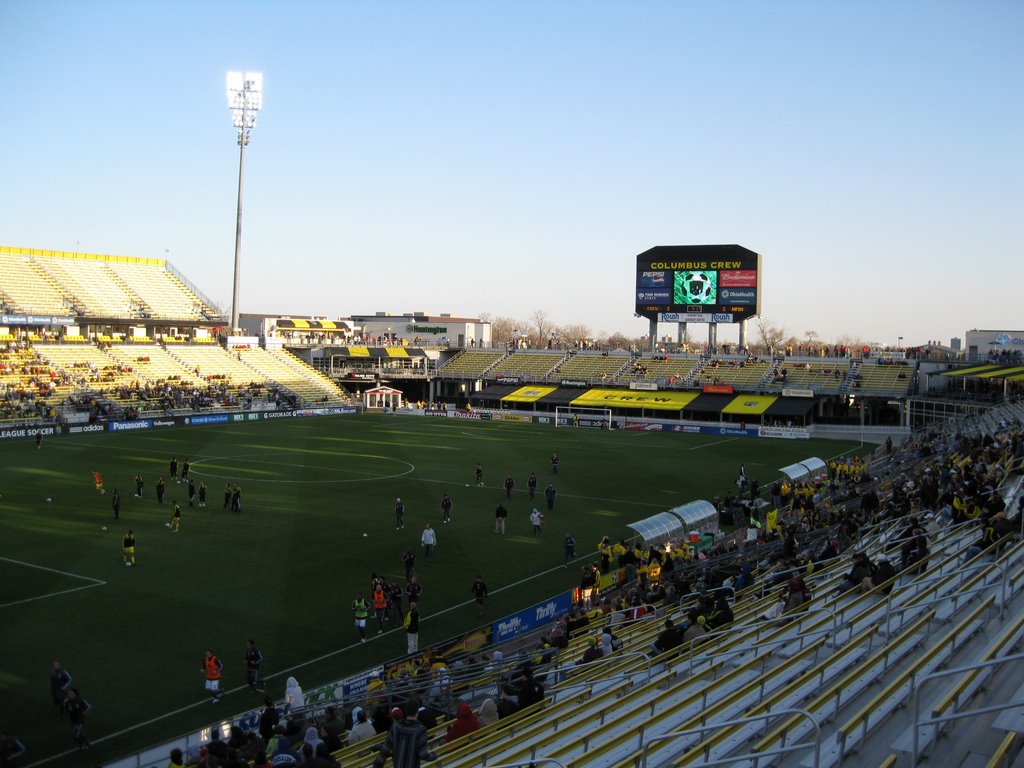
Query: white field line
(93, 582)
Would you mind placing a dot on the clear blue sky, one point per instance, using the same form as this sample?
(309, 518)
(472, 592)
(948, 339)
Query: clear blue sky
(472, 157)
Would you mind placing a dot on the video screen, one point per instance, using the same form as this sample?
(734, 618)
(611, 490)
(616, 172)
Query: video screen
(695, 286)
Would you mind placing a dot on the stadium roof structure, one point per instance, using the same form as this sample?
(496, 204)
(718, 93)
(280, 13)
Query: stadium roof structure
(315, 325)
(378, 353)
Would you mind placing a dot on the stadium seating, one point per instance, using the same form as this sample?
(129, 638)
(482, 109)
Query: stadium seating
(532, 366)
(824, 377)
(96, 292)
(882, 379)
(31, 290)
(470, 364)
(593, 367)
(93, 285)
(738, 373)
(295, 375)
(662, 369)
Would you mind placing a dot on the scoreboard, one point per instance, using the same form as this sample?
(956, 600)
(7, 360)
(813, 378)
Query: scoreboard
(698, 283)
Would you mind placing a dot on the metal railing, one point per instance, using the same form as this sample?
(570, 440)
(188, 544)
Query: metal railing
(918, 723)
(755, 757)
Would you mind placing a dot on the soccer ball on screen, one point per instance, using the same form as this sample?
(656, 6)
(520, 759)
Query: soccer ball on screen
(698, 286)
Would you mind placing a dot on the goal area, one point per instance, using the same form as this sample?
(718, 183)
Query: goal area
(578, 416)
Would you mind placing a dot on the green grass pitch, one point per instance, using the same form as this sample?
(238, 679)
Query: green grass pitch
(284, 571)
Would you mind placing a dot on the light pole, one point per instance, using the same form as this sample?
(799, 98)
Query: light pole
(245, 99)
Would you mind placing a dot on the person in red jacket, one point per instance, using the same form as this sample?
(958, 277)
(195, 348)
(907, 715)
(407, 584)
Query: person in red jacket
(465, 723)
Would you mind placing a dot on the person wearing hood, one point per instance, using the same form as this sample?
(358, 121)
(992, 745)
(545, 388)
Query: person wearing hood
(362, 728)
(312, 737)
(465, 723)
(488, 712)
(293, 696)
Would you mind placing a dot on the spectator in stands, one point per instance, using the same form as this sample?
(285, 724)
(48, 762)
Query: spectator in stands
(406, 742)
(488, 712)
(293, 697)
(177, 759)
(362, 728)
(465, 723)
(670, 637)
(721, 614)
(883, 572)
(530, 690)
(269, 719)
(694, 628)
(593, 651)
(508, 703)
(860, 570)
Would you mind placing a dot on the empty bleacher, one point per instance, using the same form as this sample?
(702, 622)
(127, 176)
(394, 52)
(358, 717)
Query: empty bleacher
(532, 366)
(96, 294)
(738, 373)
(469, 364)
(593, 367)
(295, 375)
(29, 289)
(824, 377)
(883, 379)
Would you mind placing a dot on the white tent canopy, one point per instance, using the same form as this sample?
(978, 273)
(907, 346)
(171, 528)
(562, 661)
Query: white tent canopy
(697, 516)
(659, 528)
(808, 469)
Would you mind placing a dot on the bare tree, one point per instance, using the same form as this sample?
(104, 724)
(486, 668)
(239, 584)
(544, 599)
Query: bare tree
(540, 319)
(772, 335)
(573, 332)
(502, 329)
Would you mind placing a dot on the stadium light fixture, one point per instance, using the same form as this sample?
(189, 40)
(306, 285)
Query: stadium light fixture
(245, 100)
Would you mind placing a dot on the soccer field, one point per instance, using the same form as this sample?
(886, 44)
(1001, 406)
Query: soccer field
(285, 569)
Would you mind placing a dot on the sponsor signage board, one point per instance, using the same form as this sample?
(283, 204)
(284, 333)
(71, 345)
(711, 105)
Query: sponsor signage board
(213, 418)
(508, 380)
(129, 426)
(531, 618)
(787, 433)
(737, 278)
(717, 389)
(16, 432)
(647, 386)
(695, 317)
(573, 383)
(793, 392)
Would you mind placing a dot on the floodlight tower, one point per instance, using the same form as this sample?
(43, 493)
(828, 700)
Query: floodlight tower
(245, 99)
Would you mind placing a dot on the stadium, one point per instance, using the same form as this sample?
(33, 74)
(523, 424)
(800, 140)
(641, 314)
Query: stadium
(706, 586)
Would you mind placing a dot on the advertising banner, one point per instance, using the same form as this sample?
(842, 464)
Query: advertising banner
(130, 426)
(213, 418)
(16, 432)
(531, 618)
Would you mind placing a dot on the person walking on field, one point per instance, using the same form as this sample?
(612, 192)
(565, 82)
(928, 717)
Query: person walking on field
(128, 549)
(399, 514)
(253, 660)
(361, 609)
(446, 508)
(500, 515)
(212, 667)
(76, 707)
(549, 493)
(479, 474)
(429, 540)
(554, 463)
(509, 485)
(531, 485)
(115, 502)
(479, 590)
(535, 521)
